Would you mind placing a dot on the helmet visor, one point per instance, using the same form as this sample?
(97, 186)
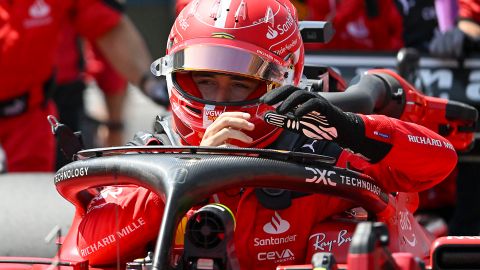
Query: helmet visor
(222, 59)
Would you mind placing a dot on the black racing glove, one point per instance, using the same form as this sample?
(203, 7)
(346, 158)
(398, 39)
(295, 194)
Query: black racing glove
(309, 113)
(312, 115)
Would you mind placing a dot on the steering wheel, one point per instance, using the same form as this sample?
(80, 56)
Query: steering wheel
(187, 175)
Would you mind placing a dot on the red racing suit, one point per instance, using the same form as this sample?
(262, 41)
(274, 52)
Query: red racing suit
(29, 31)
(124, 218)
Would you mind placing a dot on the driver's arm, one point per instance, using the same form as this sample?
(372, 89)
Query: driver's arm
(119, 224)
(416, 157)
(402, 156)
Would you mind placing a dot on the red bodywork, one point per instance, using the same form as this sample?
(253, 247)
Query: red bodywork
(408, 242)
(432, 112)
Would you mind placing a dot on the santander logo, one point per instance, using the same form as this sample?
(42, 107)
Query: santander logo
(272, 33)
(277, 225)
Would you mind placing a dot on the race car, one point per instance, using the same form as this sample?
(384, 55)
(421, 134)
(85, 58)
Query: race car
(380, 234)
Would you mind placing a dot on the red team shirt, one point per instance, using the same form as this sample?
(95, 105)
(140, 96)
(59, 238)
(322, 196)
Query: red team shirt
(354, 30)
(407, 167)
(29, 32)
(469, 9)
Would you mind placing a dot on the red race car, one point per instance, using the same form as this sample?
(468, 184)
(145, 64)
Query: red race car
(381, 233)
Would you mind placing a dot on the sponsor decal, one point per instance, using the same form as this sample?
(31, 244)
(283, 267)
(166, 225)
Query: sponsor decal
(269, 17)
(283, 28)
(39, 9)
(355, 182)
(287, 47)
(100, 200)
(39, 13)
(310, 146)
(380, 134)
(272, 241)
(406, 225)
(411, 242)
(326, 177)
(277, 225)
(429, 141)
(112, 238)
(272, 33)
(405, 221)
(210, 115)
(183, 22)
(320, 243)
(321, 176)
(70, 173)
(276, 256)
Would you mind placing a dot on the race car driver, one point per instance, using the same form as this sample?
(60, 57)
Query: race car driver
(227, 64)
(28, 38)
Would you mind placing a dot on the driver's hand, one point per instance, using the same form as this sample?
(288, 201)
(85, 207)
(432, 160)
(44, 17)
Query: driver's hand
(226, 128)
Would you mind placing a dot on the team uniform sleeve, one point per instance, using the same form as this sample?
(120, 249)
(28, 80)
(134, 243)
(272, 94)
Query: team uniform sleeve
(119, 223)
(417, 160)
(469, 10)
(93, 18)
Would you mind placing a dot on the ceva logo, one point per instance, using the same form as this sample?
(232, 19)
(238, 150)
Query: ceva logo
(272, 33)
(277, 225)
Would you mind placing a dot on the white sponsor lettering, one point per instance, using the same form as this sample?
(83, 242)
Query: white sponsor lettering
(276, 256)
(283, 28)
(258, 242)
(277, 225)
(321, 244)
(355, 182)
(67, 174)
(287, 47)
(112, 238)
(405, 221)
(321, 176)
(429, 141)
(183, 22)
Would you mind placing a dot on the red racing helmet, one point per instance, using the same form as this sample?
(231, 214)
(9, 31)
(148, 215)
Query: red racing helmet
(251, 38)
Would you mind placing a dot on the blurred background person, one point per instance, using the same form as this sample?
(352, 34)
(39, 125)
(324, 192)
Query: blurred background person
(367, 25)
(27, 74)
(462, 38)
(80, 63)
(419, 21)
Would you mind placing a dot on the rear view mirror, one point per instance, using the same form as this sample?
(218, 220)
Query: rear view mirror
(316, 31)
